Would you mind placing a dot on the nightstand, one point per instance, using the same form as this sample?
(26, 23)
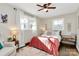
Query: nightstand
(69, 39)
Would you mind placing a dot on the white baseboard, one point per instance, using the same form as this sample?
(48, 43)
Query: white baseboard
(77, 48)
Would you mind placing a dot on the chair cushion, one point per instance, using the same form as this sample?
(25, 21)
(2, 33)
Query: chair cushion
(1, 46)
(6, 51)
(2, 43)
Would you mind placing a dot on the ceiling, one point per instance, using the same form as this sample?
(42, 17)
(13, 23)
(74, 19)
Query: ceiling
(61, 9)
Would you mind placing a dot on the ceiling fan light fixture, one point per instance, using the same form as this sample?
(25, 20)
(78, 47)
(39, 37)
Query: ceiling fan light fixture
(45, 9)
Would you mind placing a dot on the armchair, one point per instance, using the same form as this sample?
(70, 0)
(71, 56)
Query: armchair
(9, 49)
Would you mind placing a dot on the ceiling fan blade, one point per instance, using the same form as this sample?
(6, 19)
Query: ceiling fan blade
(39, 5)
(45, 5)
(51, 7)
(49, 4)
(40, 9)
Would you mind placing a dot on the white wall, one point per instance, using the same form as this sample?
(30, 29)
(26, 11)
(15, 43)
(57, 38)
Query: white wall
(41, 22)
(24, 35)
(69, 18)
(72, 19)
(5, 27)
(77, 29)
(14, 22)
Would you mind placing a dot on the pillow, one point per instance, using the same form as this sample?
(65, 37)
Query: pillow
(1, 46)
(2, 43)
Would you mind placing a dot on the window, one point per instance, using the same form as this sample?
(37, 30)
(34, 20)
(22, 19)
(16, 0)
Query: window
(32, 24)
(28, 23)
(58, 24)
(24, 24)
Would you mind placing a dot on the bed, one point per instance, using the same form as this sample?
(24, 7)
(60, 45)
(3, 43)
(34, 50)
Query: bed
(49, 44)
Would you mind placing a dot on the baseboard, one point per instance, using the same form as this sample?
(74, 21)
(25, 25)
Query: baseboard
(77, 48)
(24, 45)
(21, 46)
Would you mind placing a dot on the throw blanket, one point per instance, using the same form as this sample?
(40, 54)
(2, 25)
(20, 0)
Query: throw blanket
(54, 45)
(47, 44)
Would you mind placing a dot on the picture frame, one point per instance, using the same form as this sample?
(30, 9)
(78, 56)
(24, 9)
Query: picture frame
(3, 18)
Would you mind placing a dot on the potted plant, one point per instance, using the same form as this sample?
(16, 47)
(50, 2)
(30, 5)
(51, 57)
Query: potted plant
(9, 39)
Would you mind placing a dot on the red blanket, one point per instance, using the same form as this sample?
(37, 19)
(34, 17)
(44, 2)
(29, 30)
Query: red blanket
(54, 45)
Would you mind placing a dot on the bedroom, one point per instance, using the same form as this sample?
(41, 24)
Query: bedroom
(25, 23)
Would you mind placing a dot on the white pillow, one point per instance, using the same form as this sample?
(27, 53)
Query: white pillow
(2, 43)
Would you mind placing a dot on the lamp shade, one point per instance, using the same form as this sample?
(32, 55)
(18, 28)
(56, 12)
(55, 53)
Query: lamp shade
(13, 31)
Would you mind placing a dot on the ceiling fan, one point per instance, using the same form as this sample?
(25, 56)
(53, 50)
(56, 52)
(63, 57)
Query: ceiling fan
(45, 7)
